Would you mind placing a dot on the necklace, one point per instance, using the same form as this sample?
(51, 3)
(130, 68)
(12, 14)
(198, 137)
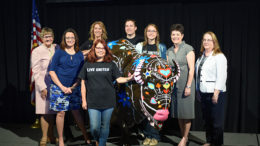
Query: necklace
(71, 52)
(51, 52)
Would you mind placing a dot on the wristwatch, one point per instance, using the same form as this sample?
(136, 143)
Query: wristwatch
(188, 86)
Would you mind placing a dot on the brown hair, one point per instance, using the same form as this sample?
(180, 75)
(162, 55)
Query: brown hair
(131, 20)
(177, 27)
(157, 39)
(104, 32)
(216, 49)
(92, 57)
(63, 44)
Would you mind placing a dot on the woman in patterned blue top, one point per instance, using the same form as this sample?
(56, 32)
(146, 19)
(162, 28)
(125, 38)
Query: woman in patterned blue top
(65, 92)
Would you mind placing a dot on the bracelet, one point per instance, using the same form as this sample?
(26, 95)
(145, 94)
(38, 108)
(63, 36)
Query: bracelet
(188, 86)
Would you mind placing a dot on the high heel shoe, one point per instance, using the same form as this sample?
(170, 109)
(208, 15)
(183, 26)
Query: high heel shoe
(52, 140)
(43, 142)
(36, 124)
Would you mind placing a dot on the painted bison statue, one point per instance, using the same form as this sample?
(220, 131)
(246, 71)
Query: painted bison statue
(149, 95)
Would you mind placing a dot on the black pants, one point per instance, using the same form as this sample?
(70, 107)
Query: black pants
(213, 114)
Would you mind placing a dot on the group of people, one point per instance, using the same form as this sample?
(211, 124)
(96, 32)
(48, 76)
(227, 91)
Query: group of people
(68, 78)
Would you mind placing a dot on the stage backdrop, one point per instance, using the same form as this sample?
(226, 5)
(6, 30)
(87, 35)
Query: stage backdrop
(236, 24)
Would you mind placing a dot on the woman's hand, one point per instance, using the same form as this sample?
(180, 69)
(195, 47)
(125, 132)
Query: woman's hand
(72, 88)
(215, 99)
(130, 77)
(215, 96)
(66, 90)
(84, 105)
(44, 94)
(69, 91)
(122, 80)
(187, 91)
(85, 52)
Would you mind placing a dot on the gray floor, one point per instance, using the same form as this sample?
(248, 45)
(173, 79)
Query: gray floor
(23, 135)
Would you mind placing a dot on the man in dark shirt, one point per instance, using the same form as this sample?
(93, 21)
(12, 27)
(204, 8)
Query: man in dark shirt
(130, 29)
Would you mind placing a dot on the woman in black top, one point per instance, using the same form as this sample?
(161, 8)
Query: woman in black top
(99, 72)
(97, 31)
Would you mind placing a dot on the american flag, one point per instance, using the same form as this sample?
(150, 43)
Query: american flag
(35, 42)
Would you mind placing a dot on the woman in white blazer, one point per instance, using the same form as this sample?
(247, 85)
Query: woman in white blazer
(211, 76)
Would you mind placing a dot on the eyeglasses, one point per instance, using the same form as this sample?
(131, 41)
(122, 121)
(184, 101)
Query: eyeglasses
(207, 40)
(70, 38)
(99, 48)
(47, 36)
(151, 31)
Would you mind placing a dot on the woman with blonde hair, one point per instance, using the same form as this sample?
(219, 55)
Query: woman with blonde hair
(211, 76)
(97, 31)
(40, 60)
(151, 44)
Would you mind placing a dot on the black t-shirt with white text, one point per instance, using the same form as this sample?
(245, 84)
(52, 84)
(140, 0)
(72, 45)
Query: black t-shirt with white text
(99, 77)
(150, 49)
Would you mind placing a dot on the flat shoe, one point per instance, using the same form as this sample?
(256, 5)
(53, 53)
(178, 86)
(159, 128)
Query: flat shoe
(146, 141)
(153, 142)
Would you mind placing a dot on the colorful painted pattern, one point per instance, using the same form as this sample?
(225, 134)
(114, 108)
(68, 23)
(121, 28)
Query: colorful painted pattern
(151, 91)
(124, 99)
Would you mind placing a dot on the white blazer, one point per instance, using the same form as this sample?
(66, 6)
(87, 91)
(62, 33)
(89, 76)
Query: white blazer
(213, 73)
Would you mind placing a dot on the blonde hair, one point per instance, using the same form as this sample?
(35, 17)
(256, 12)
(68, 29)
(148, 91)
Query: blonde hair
(104, 32)
(216, 49)
(157, 39)
(46, 30)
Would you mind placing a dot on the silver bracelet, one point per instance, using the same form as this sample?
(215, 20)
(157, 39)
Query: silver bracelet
(188, 86)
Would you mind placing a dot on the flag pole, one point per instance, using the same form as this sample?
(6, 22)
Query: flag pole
(35, 42)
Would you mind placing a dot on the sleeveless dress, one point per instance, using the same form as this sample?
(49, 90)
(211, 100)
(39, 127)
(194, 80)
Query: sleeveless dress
(182, 107)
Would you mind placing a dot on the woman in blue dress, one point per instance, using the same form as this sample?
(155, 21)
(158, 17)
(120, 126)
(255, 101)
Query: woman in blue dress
(64, 92)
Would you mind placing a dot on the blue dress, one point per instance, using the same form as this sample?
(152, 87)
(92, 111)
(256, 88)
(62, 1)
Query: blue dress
(66, 67)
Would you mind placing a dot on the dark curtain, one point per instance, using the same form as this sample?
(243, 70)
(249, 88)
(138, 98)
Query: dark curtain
(15, 27)
(236, 24)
